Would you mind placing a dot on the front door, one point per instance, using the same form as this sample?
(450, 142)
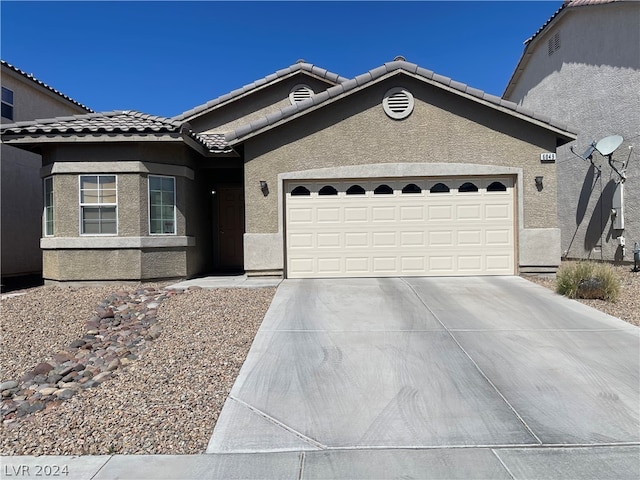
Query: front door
(230, 228)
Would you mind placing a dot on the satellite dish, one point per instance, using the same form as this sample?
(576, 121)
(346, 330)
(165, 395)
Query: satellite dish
(608, 145)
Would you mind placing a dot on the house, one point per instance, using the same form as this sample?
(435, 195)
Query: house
(24, 98)
(583, 67)
(303, 174)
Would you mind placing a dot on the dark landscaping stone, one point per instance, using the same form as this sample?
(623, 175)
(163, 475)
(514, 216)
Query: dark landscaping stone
(43, 368)
(8, 385)
(77, 343)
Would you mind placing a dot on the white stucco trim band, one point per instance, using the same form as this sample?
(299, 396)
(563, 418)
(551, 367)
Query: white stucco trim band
(92, 243)
(60, 168)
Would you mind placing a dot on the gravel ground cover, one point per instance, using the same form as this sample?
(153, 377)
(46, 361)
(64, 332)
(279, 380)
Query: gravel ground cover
(626, 308)
(166, 402)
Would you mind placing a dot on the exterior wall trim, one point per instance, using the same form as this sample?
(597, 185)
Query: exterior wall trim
(97, 242)
(61, 168)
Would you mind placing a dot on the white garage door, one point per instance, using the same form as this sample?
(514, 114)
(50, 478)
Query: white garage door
(400, 227)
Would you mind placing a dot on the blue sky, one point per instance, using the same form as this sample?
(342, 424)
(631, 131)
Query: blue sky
(166, 57)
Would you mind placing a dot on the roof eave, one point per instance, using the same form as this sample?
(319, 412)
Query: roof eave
(529, 46)
(239, 94)
(490, 101)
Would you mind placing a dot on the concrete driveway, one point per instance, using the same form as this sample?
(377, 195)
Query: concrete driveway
(482, 377)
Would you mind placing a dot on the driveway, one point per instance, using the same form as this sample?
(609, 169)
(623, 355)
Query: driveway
(495, 366)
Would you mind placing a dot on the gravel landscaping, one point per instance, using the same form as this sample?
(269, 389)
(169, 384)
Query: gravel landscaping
(124, 369)
(626, 308)
(164, 402)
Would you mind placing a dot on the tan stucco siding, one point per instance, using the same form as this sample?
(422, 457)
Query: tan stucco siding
(120, 264)
(442, 128)
(255, 106)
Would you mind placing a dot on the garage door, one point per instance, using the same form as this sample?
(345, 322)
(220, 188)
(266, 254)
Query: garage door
(393, 227)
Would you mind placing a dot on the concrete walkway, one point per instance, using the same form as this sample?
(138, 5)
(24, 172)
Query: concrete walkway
(491, 377)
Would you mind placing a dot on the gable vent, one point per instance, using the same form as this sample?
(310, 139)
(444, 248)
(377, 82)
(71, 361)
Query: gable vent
(398, 103)
(300, 93)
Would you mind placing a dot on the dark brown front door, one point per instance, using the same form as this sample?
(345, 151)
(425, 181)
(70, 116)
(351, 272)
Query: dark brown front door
(230, 227)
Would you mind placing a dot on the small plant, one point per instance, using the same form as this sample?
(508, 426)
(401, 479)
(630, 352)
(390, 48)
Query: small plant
(588, 280)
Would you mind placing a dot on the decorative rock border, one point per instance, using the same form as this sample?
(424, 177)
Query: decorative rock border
(114, 337)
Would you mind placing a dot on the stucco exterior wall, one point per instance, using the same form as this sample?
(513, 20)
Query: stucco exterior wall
(592, 82)
(21, 189)
(110, 265)
(133, 252)
(443, 128)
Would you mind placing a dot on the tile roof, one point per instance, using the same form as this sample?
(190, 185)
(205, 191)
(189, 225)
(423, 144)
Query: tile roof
(115, 122)
(42, 84)
(384, 70)
(300, 66)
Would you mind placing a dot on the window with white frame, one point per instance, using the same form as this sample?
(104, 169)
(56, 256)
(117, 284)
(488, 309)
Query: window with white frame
(162, 205)
(98, 205)
(7, 103)
(48, 206)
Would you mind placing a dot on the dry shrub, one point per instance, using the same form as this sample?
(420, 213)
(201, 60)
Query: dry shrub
(588, 279)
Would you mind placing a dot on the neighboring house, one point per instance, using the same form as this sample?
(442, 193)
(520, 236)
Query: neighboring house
(583, 67)
(398, 171)
(24, 98)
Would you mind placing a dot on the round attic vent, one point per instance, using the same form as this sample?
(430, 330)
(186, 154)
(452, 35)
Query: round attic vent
(299, 93)
(398, 103)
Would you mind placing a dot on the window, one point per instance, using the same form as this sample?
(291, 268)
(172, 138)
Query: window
(497, 187)
(355, 190)
(383, 190)
(411, 188)
(162, 205)
(300, 191)
(439, 188)
(98, 205)
(48, 206)
(7, 103)
(328, 190)
(467, 187)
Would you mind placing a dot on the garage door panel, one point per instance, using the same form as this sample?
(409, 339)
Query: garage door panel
(385, 264)
(413, 264)
(412, 239)
(383, 214)
(440, 212)
(328, 214)
(328, 240)
(356, 239)
(469, 238)
(301, 240)
(356, 214)
(412, 214)
(356, 265)
(498, 237)
(441, 238)
(498, 212)
(384, 239)
(369, 235)
(300, 215)
(468, 212)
